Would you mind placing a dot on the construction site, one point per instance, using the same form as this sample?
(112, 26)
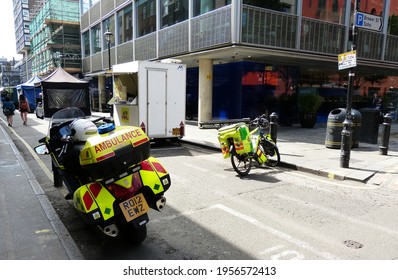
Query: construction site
(55, 37)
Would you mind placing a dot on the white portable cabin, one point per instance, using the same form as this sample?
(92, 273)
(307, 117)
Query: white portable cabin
(150, 95)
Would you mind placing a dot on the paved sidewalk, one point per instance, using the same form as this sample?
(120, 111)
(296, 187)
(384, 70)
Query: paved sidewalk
(30, 228)
(305, 150)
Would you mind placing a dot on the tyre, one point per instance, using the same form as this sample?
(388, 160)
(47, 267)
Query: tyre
(133, 235)
(272, 153)
(241, 163)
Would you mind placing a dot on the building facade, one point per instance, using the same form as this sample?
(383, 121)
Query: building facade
(22, 34)
(9, 73)
(48, 36)
(245, 56)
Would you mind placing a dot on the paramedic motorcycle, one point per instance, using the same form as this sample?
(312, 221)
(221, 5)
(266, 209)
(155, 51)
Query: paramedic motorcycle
(107, 170)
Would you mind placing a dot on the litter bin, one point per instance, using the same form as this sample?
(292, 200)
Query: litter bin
(370, 128)
(335, 126)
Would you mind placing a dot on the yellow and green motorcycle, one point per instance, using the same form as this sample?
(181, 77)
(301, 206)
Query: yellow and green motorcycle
(107, 170)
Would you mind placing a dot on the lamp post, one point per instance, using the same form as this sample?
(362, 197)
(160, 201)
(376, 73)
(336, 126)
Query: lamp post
(108, 36)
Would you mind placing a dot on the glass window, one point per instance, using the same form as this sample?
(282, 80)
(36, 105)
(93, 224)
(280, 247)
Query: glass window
(203, 6)
(96, 38)
(287, 6)
(326, 10)
(85, 4)
(109, 23)
(371, 7)
(146, 15)
(125, 25)
(393, 19)
(173, 11)
(86, 44)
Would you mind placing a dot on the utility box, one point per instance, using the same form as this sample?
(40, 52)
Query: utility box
(150, 95)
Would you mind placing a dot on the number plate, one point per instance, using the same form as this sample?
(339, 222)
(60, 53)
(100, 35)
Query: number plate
(176, 131)
(134, 207)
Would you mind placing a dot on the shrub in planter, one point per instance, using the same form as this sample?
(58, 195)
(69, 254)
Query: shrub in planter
(309, 104)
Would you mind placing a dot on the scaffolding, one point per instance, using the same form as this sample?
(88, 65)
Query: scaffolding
(55, 36)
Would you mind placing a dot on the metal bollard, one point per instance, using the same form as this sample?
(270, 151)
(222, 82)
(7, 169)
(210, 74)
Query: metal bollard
(385, 138)
(273, 128)
(345, 151)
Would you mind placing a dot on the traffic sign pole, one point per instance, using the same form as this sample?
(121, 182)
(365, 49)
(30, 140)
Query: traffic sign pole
(346, 134)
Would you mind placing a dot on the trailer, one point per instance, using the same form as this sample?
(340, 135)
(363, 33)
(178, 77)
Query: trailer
(150, 95)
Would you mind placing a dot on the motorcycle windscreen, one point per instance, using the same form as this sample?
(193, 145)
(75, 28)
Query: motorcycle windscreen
(55, 99)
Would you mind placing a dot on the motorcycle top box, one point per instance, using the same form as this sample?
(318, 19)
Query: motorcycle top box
(128, 144)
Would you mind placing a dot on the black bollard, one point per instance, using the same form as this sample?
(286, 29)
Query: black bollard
(346, 144)
(273, 128)
(385, 138)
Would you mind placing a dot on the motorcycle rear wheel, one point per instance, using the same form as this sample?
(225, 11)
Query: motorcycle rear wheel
(133, 235)
(241, 163)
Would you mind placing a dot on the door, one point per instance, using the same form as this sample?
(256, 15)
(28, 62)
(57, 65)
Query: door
(157, 105)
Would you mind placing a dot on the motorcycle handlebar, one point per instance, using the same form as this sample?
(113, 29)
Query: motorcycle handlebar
(261, 121)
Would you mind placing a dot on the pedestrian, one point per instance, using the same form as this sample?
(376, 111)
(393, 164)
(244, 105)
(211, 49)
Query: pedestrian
(375, 100)
(24, 108)
(8, 110)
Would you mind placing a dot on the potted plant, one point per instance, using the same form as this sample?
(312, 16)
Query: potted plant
(286, 107)
(308, 105)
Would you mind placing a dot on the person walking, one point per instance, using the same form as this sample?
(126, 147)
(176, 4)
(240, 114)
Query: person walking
(8, 110)
(24, 108)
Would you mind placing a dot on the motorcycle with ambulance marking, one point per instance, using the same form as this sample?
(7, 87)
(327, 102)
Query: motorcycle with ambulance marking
(108, 171)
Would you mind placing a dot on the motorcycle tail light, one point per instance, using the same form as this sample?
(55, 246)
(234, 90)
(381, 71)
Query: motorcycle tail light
(129, 189)
(121, 192)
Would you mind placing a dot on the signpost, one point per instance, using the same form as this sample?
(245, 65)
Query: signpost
(368, 21)
(348, 60)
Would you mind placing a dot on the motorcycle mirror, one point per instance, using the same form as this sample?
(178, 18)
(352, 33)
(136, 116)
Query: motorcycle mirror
(41, 149)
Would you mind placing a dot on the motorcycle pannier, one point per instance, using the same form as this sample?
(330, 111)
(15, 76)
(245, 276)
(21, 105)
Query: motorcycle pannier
(242, 140)
(105, 155)
(239, 132)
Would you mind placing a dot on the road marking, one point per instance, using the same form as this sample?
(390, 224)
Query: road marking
(36, 157)
(272, 249)
(338, 215)
(255, 222)
(196, 167)
(333, 183)
(275, 232)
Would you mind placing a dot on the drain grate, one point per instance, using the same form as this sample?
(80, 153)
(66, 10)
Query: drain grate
(353, 244)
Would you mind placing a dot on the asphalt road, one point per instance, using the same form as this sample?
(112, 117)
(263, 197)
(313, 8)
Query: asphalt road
(212, 214)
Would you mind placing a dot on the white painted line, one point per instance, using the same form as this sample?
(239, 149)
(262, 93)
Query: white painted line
(255, 222)
(272, 249)
(313, 178)
(275, 232)
(338, 215)
(196, 167)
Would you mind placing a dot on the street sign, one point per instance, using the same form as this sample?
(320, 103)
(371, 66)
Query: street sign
(368, 21)
(347, 60)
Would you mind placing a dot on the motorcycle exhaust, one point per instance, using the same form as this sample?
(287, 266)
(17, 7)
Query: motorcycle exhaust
(110, 230)
(161, 203)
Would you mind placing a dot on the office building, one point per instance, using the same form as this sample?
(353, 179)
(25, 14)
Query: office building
(246, 56)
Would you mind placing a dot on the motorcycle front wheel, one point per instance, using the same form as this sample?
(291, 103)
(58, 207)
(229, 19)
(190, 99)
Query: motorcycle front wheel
(272, 153)
(241, 163)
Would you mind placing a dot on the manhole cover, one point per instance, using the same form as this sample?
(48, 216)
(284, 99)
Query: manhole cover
(353, 244)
